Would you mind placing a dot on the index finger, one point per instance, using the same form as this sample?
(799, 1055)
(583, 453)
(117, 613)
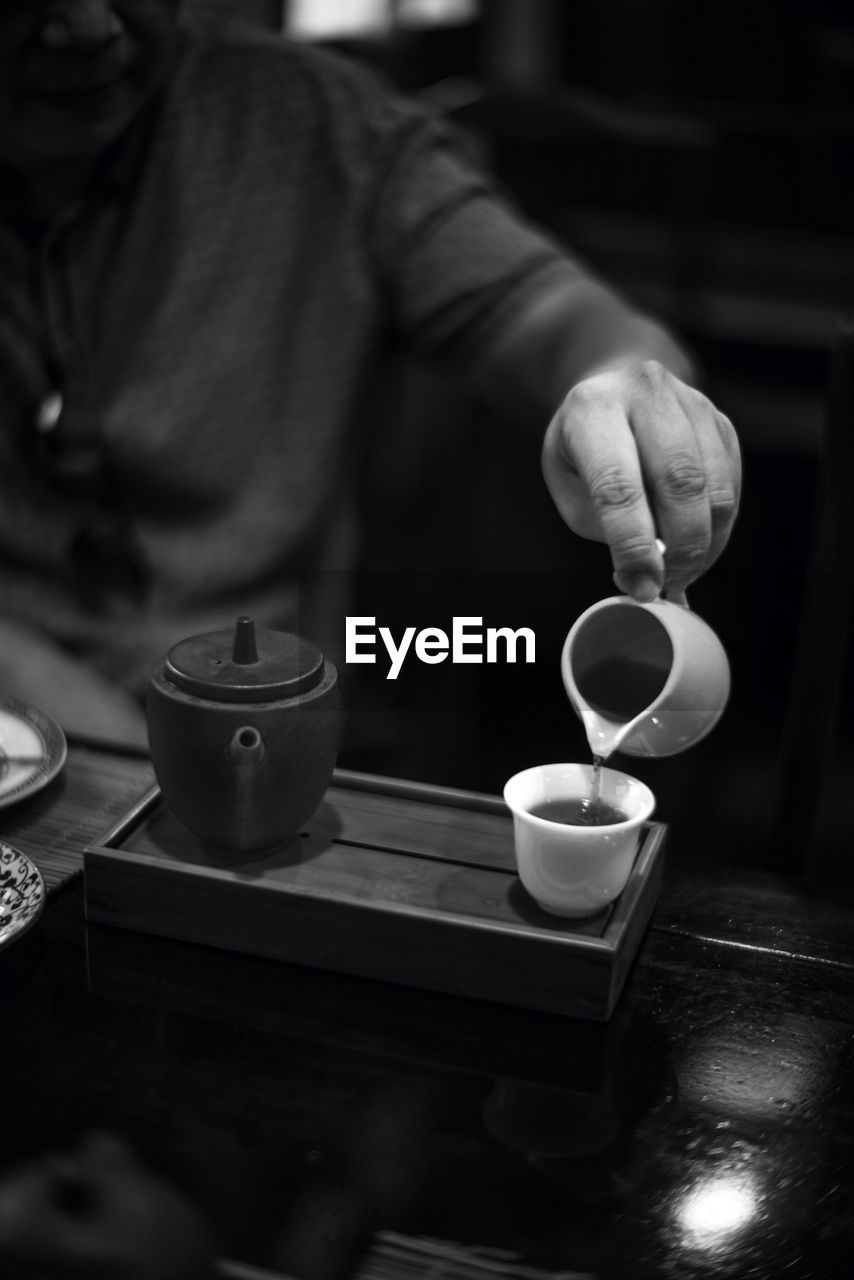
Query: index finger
(603, 451)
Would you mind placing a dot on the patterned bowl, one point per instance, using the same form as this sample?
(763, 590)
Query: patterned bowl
(22, 893)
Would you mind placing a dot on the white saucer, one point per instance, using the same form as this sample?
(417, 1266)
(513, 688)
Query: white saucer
(32, 750)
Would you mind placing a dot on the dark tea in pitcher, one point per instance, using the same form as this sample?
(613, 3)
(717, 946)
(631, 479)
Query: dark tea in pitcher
(622, 687)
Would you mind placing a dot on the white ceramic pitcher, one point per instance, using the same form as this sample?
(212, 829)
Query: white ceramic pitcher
(647, 679)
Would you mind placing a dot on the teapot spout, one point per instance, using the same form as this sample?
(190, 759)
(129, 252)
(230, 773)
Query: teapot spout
(247, 748)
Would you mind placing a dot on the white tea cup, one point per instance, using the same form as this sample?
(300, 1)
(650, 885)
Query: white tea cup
(574, 870)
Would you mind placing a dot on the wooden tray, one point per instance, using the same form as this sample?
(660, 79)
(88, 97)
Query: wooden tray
(392, 880)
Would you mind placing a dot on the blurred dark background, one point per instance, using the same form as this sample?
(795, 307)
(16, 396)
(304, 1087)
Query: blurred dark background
(703, 164)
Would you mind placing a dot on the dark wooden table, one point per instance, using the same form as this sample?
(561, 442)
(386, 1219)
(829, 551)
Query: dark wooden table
(706, 1130)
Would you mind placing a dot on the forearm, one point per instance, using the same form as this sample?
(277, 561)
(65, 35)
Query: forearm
(561, 338)
(86, 705)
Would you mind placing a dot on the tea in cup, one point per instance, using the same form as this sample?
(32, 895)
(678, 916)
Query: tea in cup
(574, 849)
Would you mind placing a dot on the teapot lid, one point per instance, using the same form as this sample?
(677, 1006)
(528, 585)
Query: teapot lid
(245, 665)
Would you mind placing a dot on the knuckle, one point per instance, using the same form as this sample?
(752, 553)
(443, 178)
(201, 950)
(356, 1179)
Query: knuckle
(612, 490)
(631, 551)
(683, 478)
(587, 394)
(691, 554)
(724, 505)
(650, 373)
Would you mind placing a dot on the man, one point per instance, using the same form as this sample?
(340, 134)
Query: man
(202, 244)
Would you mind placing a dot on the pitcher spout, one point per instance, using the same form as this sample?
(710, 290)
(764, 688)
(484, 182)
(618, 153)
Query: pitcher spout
(604, 736)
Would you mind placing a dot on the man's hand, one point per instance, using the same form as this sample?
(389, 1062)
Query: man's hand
(634, 454)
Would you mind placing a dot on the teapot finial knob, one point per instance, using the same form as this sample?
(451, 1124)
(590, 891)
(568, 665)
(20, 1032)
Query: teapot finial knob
(245, 650)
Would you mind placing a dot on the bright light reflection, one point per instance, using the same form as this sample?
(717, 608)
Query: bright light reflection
(760, 1070)
(426, 13)
(337, 19)
(714, 1209)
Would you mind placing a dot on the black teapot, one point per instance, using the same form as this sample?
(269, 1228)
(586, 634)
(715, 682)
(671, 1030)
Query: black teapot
(244, 728)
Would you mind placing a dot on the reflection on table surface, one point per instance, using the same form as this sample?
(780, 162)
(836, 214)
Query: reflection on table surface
(331, 1126)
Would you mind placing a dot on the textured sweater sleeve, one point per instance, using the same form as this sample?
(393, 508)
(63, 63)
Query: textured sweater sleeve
(454, 258)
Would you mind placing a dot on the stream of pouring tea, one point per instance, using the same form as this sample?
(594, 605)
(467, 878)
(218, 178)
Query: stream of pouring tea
(596, 780)
(592, 804)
